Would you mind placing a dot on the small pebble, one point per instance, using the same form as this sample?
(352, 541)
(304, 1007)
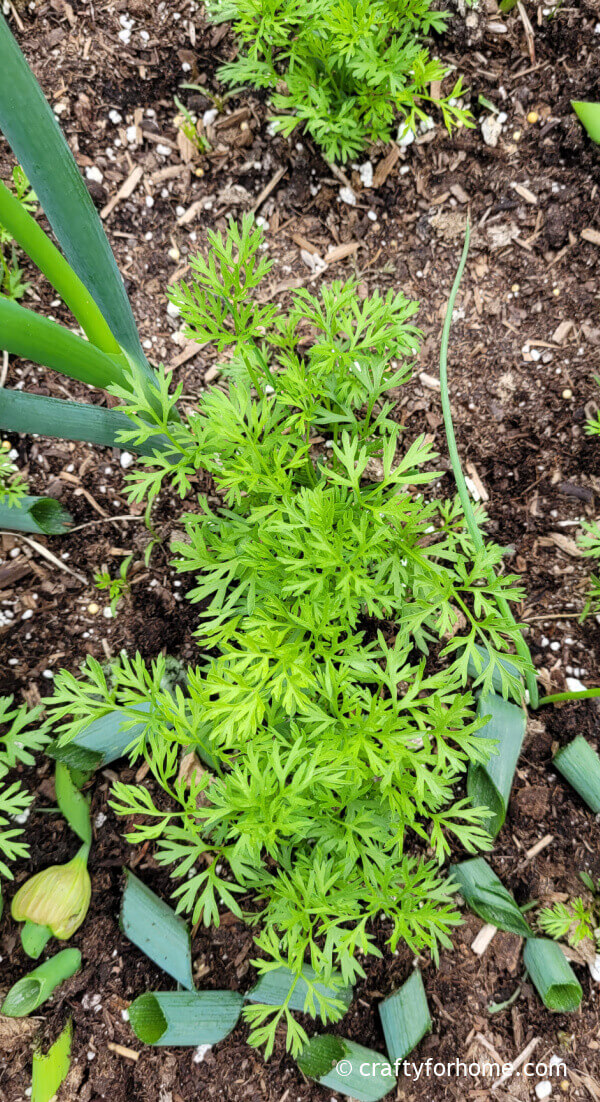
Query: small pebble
(126, 459)
(532, 118)
(567, 394)
(543, 1089)
(93, 609)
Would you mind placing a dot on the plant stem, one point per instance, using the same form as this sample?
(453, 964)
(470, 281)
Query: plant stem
(461, 486)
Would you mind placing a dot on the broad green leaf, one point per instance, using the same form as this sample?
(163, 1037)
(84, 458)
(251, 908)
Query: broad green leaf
(26, 334)
(154, 927)
(185, 1017)
(73, 804)
(343, 1066)
(42, 515)
(102, 742)
(28, 993)
(57, 417)
(34, 135)
(405, 1017)
(489, 785)
(486, 895)
(51, 1069)
(552, 976)
(273, 988)
(589, 116)
(580, 765)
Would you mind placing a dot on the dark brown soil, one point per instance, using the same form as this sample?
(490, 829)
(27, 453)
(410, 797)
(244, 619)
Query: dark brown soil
(522, 383)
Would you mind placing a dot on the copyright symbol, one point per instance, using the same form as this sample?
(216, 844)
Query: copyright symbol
(344, 1067)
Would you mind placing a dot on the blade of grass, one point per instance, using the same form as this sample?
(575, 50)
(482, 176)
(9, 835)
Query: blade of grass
(362, 1074)
(405, 1017)
(273, 989)
(154, 927)
(43, 515)
(30, 126)
(486, 895)
(185, 1017)
(580, 765)
(552, 976)
(589, 117)
(43, 341)
(28, 993)
(57, 417)
(489, 785)
(461, 486)
(72, 803)
(51, 1069)
(39, 248)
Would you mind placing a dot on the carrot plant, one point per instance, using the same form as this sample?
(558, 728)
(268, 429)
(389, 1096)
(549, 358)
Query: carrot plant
(340, 605)
(344, 70)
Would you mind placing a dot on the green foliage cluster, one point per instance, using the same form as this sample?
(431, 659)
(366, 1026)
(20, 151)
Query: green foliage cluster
(344, 69)
(12, 487)
(339, 609)
(20, 738)
(574, 921)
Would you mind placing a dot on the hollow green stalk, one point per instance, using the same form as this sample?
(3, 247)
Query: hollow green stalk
(44, 254)
(461, 485)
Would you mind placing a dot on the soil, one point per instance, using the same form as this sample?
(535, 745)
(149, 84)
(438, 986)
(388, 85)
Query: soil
(524, 354)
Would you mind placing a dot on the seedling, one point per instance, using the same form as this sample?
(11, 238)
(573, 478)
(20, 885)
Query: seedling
(117, 587)
(344, 71)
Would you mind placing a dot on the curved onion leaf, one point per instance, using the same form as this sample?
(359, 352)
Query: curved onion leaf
(486, 895)
(273, 988)
(552, 975)
(51, 1070)
(185, 1017)
(43, 515)
(28, 993)
(405, 1017)
(34, 938)
(24, 333)
(580, 765)
(57, 417)
(33, 133)
(154, 927)
(489, 785)
(363, 1075)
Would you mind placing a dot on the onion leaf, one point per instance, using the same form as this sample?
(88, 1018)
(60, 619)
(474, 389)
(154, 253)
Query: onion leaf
(154, 927)
(405, 1017)
(346, 1067)
(552, 975)
(185, 1017)
(589, 116)
(28, 993)
(57, 417)
(43, 515)
(51, 1070)
(580, 765)
(73, 804)
(486, 895)
(489, 785)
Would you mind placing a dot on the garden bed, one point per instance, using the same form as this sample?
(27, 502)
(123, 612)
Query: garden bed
(524, 354)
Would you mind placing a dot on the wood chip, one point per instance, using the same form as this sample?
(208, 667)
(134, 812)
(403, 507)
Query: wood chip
(304, 243)
(476, 480)
(190, 350)
(516, 1063)
(126, 189)
(591, 235)
(539, 846)
(429, 381)
(525, 194)
(483, 939)
(340, 252)
(562, 331)
(385, 166)
(566, 544)
(128, 1053)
